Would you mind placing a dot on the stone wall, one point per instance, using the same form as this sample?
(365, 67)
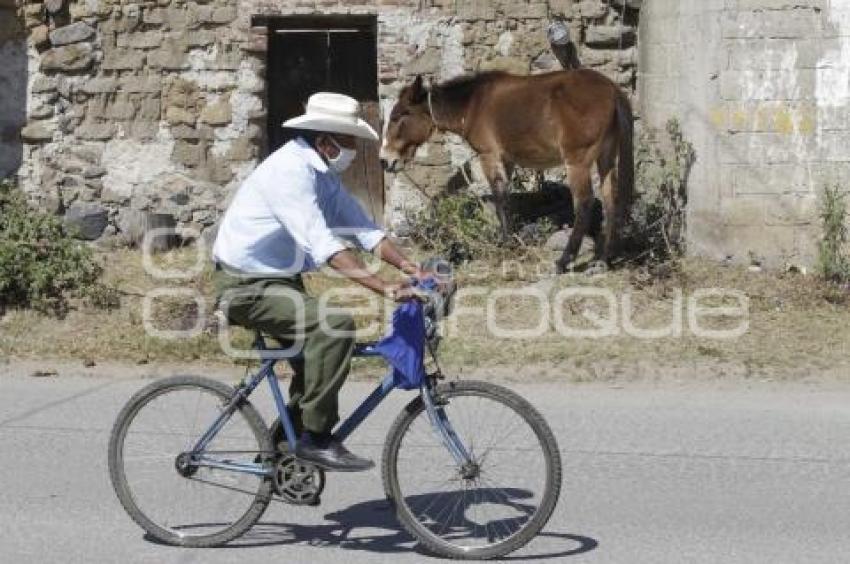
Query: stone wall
(139, 107)
(763, 90)
(158, 106)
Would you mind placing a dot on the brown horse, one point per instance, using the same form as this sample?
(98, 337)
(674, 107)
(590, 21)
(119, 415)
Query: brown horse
(575, 118)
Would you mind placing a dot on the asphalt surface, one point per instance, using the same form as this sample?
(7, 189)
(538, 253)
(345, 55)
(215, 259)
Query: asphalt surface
(732, 473)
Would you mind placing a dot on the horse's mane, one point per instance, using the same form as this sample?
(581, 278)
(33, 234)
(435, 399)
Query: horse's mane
(460, 88)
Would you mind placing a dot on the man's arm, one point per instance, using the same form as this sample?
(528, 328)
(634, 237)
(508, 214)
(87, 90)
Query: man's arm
(389, 253)
(349, 265)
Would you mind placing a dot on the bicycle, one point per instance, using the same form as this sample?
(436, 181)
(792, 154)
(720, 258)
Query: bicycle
(208, 485)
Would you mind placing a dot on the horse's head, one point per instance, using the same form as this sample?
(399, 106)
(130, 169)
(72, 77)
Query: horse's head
(410, 125)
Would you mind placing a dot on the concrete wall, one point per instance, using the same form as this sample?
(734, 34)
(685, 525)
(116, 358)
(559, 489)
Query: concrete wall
(762, 88)
(141, 106)
(13, 87)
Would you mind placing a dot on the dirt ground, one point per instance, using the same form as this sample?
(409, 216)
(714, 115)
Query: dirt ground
(795, 326)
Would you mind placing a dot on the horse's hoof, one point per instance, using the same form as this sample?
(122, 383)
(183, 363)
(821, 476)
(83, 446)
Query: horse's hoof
(596, 268)
(561, 267)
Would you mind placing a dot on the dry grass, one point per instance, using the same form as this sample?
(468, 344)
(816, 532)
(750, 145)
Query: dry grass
(797, 324)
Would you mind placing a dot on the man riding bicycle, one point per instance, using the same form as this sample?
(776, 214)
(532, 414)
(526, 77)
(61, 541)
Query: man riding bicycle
(288, 218)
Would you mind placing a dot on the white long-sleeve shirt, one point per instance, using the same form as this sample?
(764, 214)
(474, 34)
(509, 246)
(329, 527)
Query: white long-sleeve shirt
(290, 215)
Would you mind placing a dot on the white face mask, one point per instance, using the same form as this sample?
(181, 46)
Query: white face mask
(343, 159)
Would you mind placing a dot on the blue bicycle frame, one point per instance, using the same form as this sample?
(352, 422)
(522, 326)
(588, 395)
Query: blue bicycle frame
(436, 414)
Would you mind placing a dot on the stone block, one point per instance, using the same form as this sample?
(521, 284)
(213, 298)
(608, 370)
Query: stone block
(197, 15)
(176, 115)
(200, 38)
(109, 196)
(41, 111)
(143, 130)
(142, 84)
(42, 84)
(563, 8)
(135, 226)
(426, 62)
(98, 86)
(170, 56)
(140, 39)
(223, 15)
(76, 32)
(39, 37)
(476, 10)
(188, 154)
(150, 109)
(610, 36)
(154, 16)
(218, 113)
(185, 132)
(535, 11)
(123, 59)
(94, 172)
(86, 220)
(592, 9)
(96, 131)
(241, 149)
(37, 132)
(70, 58)
(515, 65)
(121, 110)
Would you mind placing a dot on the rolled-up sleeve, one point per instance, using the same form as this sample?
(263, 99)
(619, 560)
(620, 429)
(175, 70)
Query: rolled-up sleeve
(351, 222)
(299, 212)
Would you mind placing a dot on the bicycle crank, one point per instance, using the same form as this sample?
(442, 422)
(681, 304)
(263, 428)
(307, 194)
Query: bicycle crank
(298, 483)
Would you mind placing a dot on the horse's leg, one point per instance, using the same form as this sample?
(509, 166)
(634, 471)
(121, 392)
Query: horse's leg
(497, 175)
(578, 178)
(606, 242)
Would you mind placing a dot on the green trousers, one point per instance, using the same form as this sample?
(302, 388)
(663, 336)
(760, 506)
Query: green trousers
(281, 308)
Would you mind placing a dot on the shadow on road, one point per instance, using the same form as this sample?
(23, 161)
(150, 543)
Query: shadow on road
(372, 527)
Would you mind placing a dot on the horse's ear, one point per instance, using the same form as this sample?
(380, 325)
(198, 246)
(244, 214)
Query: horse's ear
(418, 92)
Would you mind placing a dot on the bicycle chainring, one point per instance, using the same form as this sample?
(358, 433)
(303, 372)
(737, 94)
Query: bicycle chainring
(298, 483)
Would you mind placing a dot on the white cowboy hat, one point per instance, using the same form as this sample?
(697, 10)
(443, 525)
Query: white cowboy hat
(334, 113)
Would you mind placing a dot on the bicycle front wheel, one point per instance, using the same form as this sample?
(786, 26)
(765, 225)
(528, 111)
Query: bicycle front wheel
(486, 509)
(195, 506)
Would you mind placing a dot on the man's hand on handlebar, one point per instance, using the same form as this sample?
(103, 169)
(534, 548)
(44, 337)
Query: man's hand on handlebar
(404, 292)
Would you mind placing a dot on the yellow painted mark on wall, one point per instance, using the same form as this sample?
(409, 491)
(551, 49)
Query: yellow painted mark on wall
(783, 122)
(786, 119)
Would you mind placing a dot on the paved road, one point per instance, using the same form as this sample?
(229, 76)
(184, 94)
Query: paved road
(675, 474)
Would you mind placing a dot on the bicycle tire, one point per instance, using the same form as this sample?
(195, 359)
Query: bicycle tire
(541, 430)
(123, 490)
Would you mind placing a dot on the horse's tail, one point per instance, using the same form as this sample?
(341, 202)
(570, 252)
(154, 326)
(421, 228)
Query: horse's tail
(626, 157)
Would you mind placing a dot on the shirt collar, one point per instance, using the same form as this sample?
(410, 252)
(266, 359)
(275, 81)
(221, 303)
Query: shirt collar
(313, 158)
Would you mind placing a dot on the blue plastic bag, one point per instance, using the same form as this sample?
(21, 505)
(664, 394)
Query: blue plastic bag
(404, 347)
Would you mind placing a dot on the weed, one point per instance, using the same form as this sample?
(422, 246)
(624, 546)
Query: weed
(833, 262)
(41, 266)
(663, 162)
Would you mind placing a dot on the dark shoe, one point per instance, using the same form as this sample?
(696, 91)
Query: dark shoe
(329, 454)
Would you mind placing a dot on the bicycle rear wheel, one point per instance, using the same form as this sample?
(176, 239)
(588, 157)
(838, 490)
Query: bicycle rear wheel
(491, 508)
(202, 506)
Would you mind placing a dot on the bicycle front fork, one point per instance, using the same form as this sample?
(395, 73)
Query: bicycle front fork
(444, 429)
